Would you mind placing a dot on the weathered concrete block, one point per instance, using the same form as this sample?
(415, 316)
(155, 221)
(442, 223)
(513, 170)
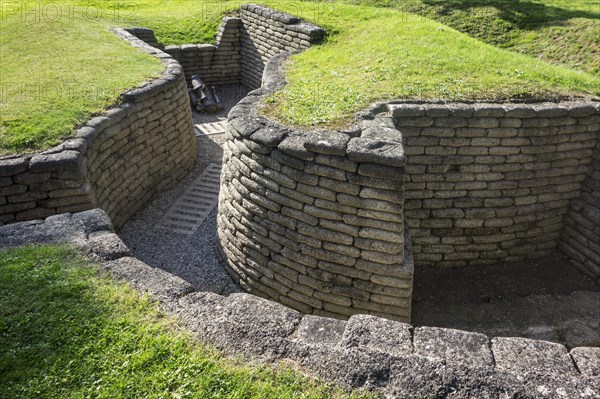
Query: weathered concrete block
(377, 334)
(95, 220)
(13, 166)
(454, 346)
(64, 160)
(162, 285)
(107, 246)
(328, 143)
(521, 355)
(587, 360)
(376, 151)
(55, 229)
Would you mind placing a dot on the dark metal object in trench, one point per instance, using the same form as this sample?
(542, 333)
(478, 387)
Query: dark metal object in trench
(203, 98)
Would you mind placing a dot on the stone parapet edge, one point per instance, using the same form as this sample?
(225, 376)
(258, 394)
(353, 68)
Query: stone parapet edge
(366, 352)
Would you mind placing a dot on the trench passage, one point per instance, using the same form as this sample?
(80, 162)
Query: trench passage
(176, 232)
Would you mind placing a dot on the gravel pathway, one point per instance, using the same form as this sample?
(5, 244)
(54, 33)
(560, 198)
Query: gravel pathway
(191, 257)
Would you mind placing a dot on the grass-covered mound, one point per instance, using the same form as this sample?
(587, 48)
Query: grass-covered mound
(380, 53)
(564, 32)
(57, 72)
(375, 50)
(68, 332)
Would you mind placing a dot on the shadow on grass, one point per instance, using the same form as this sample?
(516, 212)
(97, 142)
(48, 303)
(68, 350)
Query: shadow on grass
(49, 324)
(522, 14)
(496, 17)
(68, 332)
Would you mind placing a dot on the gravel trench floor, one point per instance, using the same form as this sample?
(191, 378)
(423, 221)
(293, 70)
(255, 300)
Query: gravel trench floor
(191, 257)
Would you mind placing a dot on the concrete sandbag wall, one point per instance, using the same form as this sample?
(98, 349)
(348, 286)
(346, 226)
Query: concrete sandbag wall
(314, 219)
(580, 238)
(117, 161)
(493, 182)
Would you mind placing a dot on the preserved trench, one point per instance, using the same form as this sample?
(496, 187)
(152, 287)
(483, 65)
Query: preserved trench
(481, 187)
(329, 223)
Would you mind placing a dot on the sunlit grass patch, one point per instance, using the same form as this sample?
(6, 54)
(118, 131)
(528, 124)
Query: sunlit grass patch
(387, 54)
(68, 332)
(56, 73)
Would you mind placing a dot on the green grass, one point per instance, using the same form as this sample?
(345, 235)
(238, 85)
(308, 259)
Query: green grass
(68, 332)
(375, 50)
(173, 22)
(380, 53)
(564, 32)
(55, 74)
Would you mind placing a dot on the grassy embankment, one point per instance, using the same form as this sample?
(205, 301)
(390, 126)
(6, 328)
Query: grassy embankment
(66, 331)
(374, 51)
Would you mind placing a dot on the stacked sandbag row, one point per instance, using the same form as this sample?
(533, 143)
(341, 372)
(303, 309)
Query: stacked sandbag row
(492, 182)
(314, 220)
